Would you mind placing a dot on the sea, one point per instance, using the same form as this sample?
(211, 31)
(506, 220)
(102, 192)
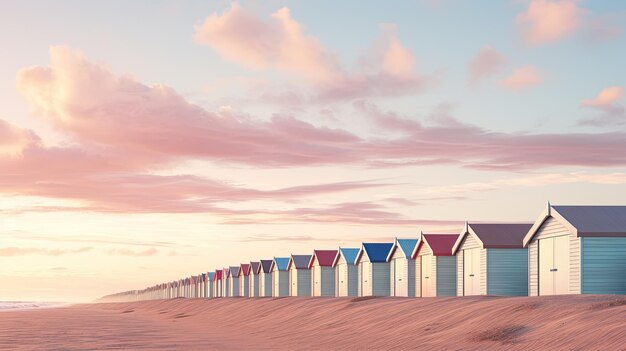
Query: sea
(29, 305)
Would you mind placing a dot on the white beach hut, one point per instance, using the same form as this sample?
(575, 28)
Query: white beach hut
(402, 268)
(265, 278)
(373, 269)
(435, 265)
(346, 272)
(254, 278)
(578, 250)
(491, 259)
(299, 275)
(280, 276)
(322, 272)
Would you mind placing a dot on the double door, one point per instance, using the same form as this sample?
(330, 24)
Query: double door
(554, 265)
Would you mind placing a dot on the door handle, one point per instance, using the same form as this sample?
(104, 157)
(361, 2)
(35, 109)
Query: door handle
(425, 277)
(471, 275)
(553, 270)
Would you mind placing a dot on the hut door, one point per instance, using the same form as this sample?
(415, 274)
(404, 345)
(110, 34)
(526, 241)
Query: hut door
(554, 265)
(343, 280)
(427, 270)
(471, 271)
(402, 284)
(367, 279)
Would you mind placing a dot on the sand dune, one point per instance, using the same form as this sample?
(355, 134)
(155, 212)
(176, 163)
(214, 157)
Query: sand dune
(469, 323)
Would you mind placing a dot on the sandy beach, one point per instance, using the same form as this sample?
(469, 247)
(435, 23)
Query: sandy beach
(469, 323)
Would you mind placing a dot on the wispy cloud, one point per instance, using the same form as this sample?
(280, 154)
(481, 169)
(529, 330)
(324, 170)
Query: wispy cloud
(486, 63)
(23, 251)
(126, 252)
(522, 78)
(609, 102)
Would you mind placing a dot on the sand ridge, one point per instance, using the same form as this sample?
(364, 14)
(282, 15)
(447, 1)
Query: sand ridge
(575, 322)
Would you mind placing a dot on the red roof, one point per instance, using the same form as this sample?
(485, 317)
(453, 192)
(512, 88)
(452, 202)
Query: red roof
(245, 269)
(440, 244)
(218, 274)
(324, 257)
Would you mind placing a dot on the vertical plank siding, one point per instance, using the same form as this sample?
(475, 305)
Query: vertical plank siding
(303, 283)
(353, 280)
(446, 275)
(603, 264)
(508, 272)
(574, 264)
(483, 271)
(327, 281)
(418, 277)
(411, 277)
(380, 279)
(459, 273)
(533, 268)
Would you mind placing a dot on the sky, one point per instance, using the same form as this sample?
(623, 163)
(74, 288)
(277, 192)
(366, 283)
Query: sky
(146, 141)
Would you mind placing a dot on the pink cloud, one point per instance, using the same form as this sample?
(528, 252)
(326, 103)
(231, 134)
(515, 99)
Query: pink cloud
(123, 131)
(13, 140)
(242, 36)
(608, 102)
(522, 78)
(546, 21)
(606, 98)
(486, 63)
(23, 251)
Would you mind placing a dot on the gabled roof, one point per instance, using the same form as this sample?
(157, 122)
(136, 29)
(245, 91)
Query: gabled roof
(325, 258)
(280, 263)
(255, 267)
(226, 273)
(376, 252)
(602, 221)
(299, 261)
(211, 276)
(234, 271)
(440, 244)
(405, 245)
(349, 254)
(244, 269)
(266, 266)
(218, 274)
(495, 235)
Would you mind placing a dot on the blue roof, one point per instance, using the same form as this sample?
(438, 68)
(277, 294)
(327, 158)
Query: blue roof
(282, 263)
(377, 252)
(408, 245)
(211, 275)
(349, 254)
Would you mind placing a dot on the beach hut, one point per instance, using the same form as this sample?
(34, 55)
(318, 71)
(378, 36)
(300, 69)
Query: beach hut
(265, 278)
(210, 292)
(577, 250)
(218, 283)
(253, 277)
(491, 259)
(233, 281)
(373, 269)
(435, 265)
(244, 280)
(346, 272)
(226, 283)
(322, 272)
(280, 276)
(299, 275)
(402, 268)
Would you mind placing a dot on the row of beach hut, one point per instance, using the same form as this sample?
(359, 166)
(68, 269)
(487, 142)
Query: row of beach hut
(567, 250)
